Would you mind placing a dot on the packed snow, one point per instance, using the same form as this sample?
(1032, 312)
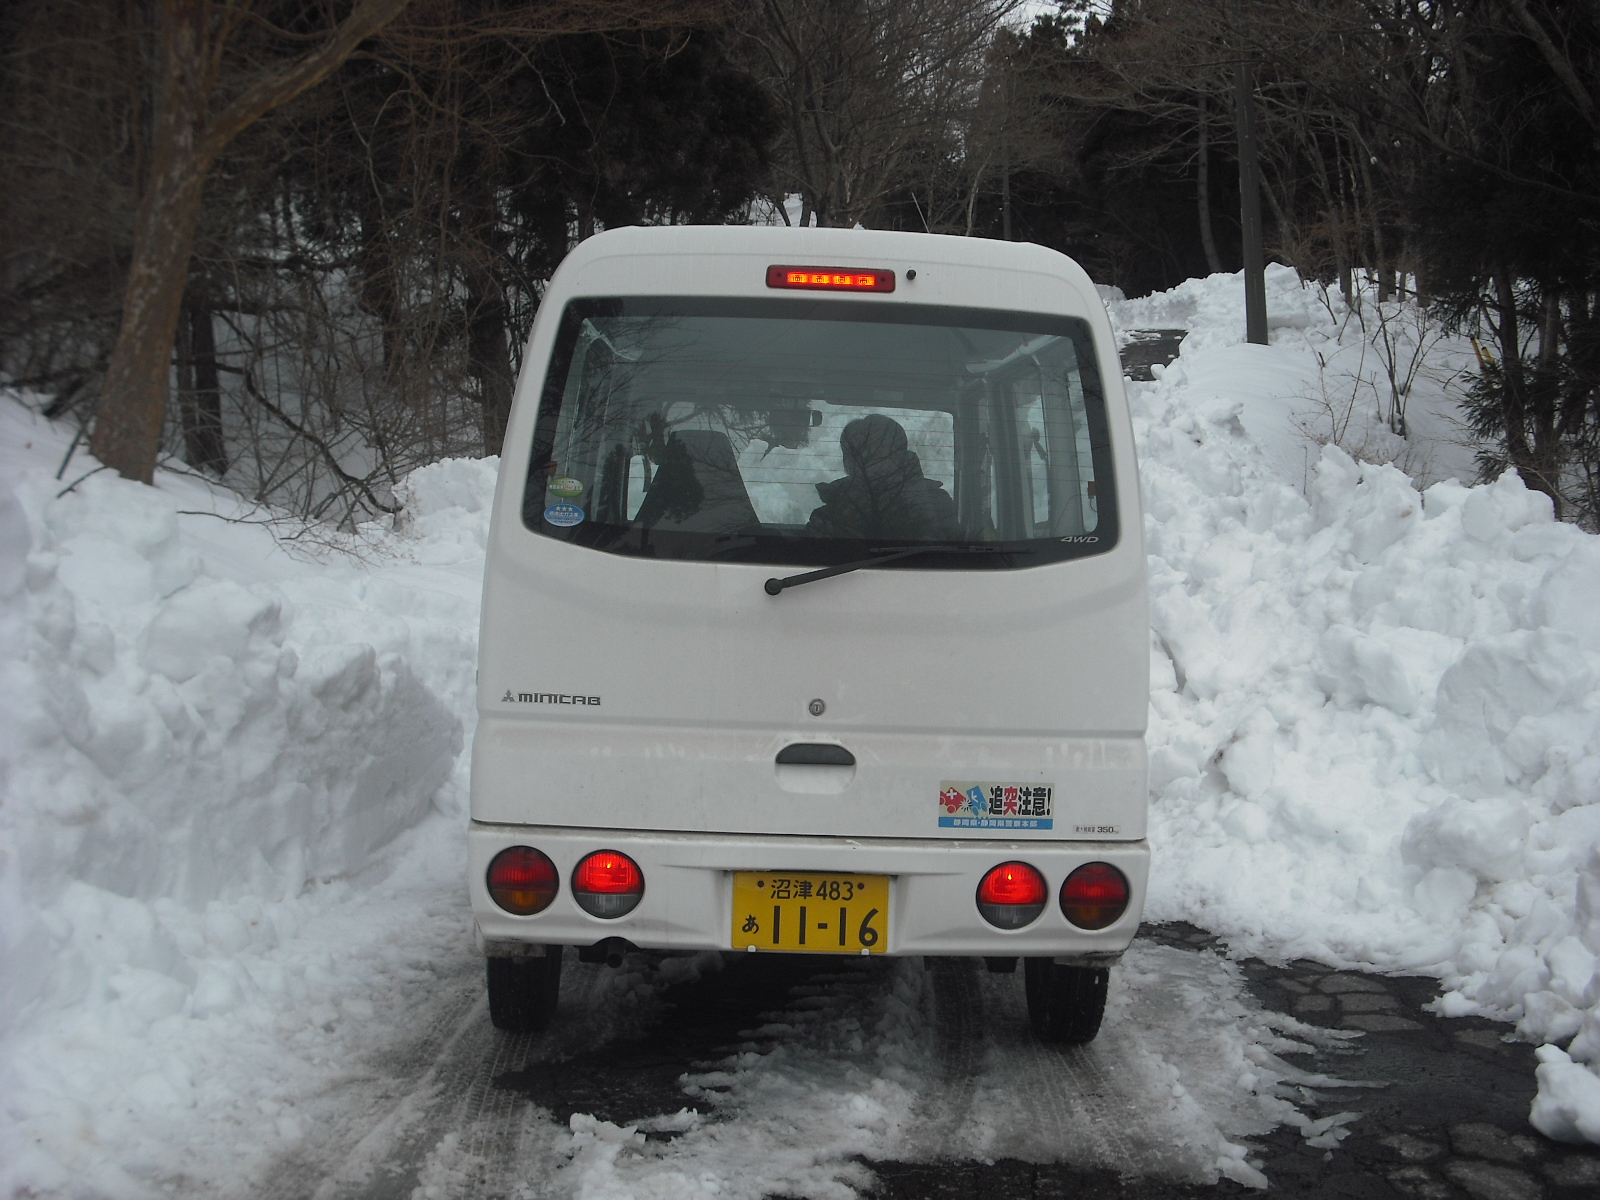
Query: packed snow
(234, 787)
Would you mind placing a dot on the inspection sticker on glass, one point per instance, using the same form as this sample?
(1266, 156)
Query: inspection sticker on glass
(972, 805)
(564, 514)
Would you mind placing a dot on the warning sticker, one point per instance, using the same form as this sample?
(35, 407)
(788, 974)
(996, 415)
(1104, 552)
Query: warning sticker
(996, 805)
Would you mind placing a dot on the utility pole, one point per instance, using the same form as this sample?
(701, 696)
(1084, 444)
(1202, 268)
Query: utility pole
(1255, 271)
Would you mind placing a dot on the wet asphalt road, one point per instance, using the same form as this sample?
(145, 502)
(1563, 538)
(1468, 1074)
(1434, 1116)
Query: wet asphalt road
(1447, 1121)
(1450, 1124)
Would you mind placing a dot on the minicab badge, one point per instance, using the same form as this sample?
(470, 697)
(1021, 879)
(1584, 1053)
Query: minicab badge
(996, 805)
(564, 515)
(565, 486)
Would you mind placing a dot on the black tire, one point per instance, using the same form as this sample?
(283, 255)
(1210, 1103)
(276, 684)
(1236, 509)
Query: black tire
(1065, 1004)
(523, 991)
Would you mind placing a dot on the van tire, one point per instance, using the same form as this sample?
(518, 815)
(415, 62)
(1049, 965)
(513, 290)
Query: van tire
(523, 991)
(1065, 1004)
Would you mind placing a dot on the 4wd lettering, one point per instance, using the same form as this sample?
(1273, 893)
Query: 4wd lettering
(546, 698)
(1082, 537)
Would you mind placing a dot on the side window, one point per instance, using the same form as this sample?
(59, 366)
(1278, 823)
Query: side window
(1055, 460)
(638, 483)
(1078, 509)
(1035, 461)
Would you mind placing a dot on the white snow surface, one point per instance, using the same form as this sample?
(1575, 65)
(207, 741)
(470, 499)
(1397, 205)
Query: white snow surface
(1375, 726)
(209, 739)
(232, 787)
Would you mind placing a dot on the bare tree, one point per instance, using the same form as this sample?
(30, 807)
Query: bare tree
(863, 85)
(219, 67)
(201, 106)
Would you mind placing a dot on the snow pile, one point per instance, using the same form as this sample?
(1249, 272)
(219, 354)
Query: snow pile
(1331, 374)
(196, 732)
(1375, 723)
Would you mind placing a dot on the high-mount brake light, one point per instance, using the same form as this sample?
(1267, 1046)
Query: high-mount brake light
(1012, 895)
(831, 279)
(522, 880)
(1094, 896)
(607, 884)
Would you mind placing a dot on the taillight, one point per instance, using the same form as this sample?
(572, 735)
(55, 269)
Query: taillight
(1012, 895)
(522, 880)
(607, 884)
(1094, 896)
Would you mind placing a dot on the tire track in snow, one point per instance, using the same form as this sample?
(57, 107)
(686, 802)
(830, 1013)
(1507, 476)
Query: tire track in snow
(437, 1096)
(960, 1041)
(766, 1047)
(478, 1136)
(996, 1078)
(358, 1110)
(1168, 1089)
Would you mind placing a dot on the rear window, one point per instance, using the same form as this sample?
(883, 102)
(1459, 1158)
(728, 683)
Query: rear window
(815, 432)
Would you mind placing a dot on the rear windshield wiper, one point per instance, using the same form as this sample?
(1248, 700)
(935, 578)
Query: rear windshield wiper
(882, 554)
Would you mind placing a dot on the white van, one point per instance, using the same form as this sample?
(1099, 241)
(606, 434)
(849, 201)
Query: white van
(814, 618)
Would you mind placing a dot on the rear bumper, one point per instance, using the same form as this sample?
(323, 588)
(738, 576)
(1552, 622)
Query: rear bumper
(688, 898)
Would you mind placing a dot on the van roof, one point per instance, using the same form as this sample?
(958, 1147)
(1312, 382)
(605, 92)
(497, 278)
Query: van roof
(732, 259)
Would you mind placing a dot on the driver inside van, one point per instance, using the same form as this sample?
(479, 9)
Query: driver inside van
(884, 493)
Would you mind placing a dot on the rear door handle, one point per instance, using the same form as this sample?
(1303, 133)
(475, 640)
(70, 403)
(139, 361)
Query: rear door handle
(815, 754)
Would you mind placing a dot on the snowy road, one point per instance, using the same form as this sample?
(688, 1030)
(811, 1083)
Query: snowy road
(783, 1075)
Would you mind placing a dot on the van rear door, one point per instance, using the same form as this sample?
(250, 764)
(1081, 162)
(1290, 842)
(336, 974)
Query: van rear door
(690, 448)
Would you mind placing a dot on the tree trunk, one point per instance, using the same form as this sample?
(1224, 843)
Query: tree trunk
(1534, 463)
(1545, 398)
(375, 275)
(1203, 194)
(201, 389)
(127, 430)
(1255, 287)
(488, 348)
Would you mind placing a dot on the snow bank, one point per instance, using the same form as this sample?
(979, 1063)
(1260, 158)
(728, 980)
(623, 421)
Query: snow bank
(1375, 727)
(196, 731)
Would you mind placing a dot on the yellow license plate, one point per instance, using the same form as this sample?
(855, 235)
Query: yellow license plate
(809, 913)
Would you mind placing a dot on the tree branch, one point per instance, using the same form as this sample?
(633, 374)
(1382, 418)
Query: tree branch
(1558, 62)
(284, 84)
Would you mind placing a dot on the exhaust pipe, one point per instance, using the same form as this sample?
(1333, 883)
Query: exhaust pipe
(611, 951)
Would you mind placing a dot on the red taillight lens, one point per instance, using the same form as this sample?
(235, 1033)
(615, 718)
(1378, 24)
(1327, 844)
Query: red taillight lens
(831, 279)
(1012, 895)
(1094, 896)
(607, 884)
(522, 881)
